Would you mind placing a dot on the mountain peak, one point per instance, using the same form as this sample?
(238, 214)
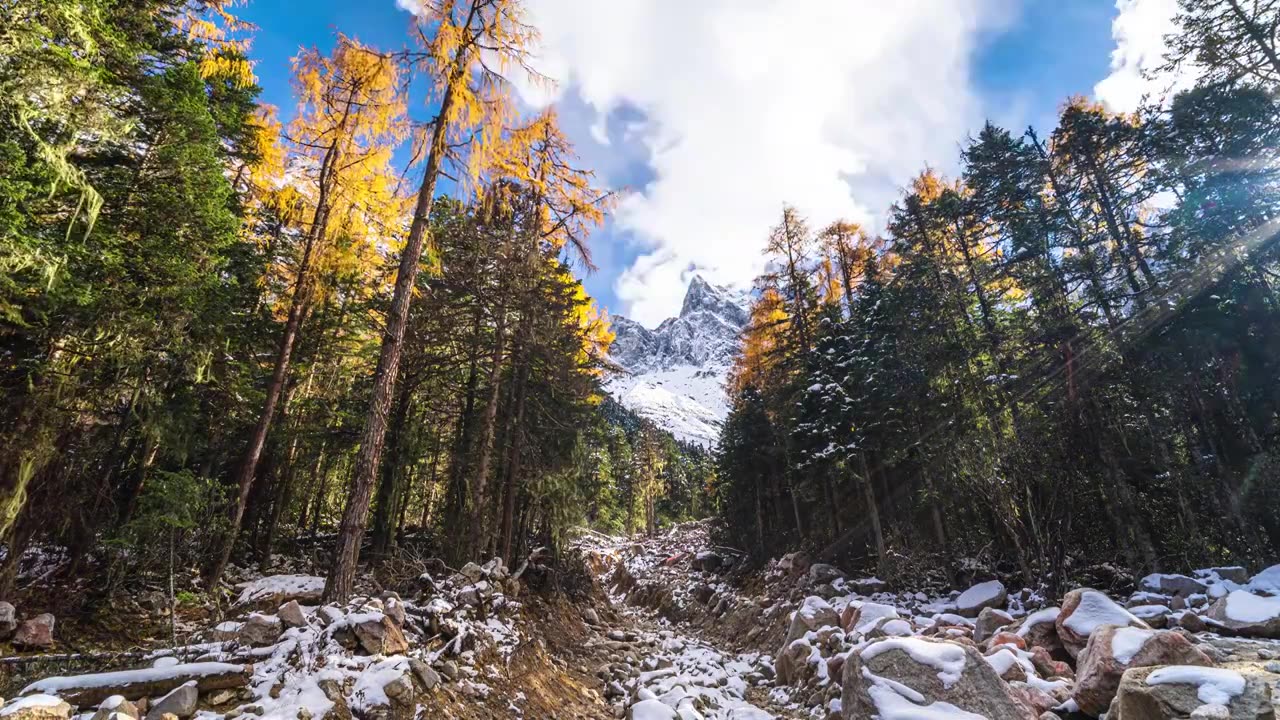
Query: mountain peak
(722, 301)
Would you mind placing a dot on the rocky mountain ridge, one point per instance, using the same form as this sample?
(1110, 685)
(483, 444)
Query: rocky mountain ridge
(674, 374)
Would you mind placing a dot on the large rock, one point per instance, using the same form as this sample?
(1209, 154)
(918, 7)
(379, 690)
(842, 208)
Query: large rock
(8, 621)
(651, 709)
(181, 701)
(859, 617)
(913, 677)
(1040, 629)
(272, 591)
(379, 636)
(1112, 650)
(813, 613)
(795, 664)
(1085, 610)
(990, 594)
(820, 573)
(291, 614)
(35, 633)
(1244, 613)
(1172, 585)
(118, 707)
(990, 620)
(36, 707)
(260, 630)
(1164, 693)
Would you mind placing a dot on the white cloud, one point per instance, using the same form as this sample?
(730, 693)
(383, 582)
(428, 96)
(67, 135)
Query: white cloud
(1139, 30)
(747, 104)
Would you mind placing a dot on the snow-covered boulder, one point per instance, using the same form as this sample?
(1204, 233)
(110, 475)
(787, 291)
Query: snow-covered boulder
(861, 616)
(1084, 610)
(1245, 613)
(917, 678)
(1156, 693)
(1112, 650)
(990, 594)
(1172, 585)
(272, 591)
(36, 707)
(1266, 582)
(652, 709)
(1040, 629)
(260, 630)
(813, 613)
(116, 707)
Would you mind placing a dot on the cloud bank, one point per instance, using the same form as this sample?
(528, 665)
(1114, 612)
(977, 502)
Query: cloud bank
(1139, 30)
(737, 106)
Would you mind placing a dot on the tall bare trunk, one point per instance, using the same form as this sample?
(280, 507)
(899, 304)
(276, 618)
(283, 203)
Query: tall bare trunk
(342, 574)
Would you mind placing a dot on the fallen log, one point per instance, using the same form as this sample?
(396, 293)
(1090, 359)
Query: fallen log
(87, 690)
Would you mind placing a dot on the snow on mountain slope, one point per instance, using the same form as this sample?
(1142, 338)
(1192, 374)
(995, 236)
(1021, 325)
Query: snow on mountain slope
(675, 373)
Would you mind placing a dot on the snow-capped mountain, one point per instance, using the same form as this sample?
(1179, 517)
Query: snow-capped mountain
(675, 373)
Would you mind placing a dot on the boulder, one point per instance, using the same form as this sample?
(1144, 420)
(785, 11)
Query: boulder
(1232, 573)
(990, 620)
(260, 630)
(794, 666)
(1159, 693)
(180, 701)
(1046, 666)
(813, 613)
(291, 614)
(35, 633)
(1192, 622)
(990, 594)
(914, 677)
(426, 674)
(1040, 629)
(869, 586)
(794, 564)
(379, 636)
(857, 617)
(820, 573)
(1112, 650)
(1172, 585)
(272, 591)
(651, 709)
(708, 561)
(116, 706)
(1244, 613)
(1084, 610)
(8, 621)
(472, 572)
(36, 707)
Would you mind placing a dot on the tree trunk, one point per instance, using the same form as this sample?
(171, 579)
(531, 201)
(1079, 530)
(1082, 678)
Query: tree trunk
(384, 510)
(341, 578)
(873, 510)
(488, 423)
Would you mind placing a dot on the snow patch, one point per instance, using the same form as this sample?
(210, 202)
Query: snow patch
(1216, 685)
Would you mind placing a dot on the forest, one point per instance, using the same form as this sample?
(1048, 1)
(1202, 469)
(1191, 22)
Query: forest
(223, 334)
(1061, 359)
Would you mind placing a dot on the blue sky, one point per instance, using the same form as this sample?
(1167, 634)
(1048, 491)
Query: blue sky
(909, 102)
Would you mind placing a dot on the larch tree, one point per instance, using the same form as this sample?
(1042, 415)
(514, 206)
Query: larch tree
(350, 117)
(467, 46)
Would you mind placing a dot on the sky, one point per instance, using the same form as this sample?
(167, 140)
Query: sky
(708, 115)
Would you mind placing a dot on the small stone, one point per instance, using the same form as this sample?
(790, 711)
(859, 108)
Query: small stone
(220, 697)
(590, 616)
(291, 614)
(35, 633)
(426, 675)
(8, 621)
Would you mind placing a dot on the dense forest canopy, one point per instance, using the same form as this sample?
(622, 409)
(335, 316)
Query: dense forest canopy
(222, 333)
(1065, 355)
